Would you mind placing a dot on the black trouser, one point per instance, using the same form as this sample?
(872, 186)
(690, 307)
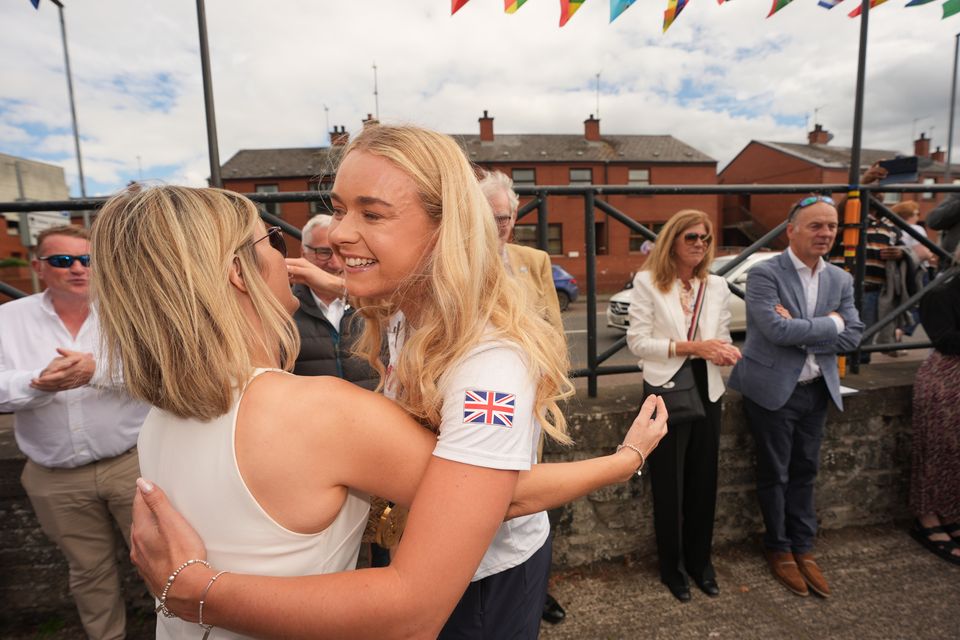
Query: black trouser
(683, 474)
(505, 606)
(788, 458)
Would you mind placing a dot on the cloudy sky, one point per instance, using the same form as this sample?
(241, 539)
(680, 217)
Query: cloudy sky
(721, 76)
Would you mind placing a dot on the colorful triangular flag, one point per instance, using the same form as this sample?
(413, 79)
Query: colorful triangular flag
(568, 8)
(511, 6)
(35, 3)
(859, 7)
(829, 4)
(777, 5)
(456, 5)
(950, 7)
(672, 12)
(619, 6)
(917, 3)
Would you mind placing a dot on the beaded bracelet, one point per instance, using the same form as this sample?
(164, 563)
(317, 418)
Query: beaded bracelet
(643, 460)
(203, 596)
(162, 607)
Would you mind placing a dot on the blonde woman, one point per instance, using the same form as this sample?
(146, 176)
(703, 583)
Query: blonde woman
(684, 468)
(193, 289)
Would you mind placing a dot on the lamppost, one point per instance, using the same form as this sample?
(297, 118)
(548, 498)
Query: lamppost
(73, 108)
(953, 100)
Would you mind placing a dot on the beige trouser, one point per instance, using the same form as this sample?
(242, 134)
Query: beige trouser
(74, 507)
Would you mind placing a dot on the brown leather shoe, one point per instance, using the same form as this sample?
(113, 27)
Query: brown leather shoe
(812, 574)
(784, 568)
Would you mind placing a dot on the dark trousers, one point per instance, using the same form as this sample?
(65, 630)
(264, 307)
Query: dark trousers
(507, 605)
(788, 458)
(683, 474)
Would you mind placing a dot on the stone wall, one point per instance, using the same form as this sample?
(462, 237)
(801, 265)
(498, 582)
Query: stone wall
(864, 480)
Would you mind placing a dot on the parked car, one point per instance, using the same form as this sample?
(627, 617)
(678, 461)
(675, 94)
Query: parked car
(566, 284)
(619, 307)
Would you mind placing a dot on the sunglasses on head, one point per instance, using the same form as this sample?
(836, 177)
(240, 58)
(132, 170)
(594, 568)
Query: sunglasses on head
(808, 201)
(275, 238)
(63, 261)
(692, 237)
(322, 253)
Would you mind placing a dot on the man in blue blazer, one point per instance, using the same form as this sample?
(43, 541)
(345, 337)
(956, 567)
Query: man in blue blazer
(800, 314)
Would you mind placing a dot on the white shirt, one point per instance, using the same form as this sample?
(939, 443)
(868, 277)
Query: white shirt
(487, 420)
(810, 280)
(63, 429)
(333, 312)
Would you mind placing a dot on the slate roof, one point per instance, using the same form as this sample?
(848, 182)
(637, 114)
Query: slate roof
(513, 148)
(830, 157)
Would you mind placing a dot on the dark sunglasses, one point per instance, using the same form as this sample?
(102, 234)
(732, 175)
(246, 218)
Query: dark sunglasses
(63, 261)
(322, 253)
(275, 238)
(691, 238)
(808, 201)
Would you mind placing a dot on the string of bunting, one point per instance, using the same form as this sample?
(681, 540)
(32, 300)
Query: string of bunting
(674, 7)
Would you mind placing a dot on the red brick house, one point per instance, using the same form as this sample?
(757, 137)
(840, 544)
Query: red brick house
(531, 160)
(747, 217)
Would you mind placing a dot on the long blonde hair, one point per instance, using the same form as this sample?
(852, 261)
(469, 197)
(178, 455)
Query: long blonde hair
(463, 286)
(170, 319)
(661, 261)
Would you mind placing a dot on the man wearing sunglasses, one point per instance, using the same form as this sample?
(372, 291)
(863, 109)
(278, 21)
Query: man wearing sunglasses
(79, 435)
(327, 324)
(800, 314)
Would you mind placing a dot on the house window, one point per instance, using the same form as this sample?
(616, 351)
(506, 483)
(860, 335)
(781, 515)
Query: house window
(600, 233)
(526, 234)
(890, 197)
(637, 240)
(524, 177)
(321, 206)
(638, 177)
(581, 176)
(269, 207)
(928, 195)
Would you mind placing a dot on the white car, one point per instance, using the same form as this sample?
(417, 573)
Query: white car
(619, 307)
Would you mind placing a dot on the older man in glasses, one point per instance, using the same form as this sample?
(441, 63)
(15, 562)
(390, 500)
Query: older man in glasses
(800, 314)
(328, 326)
(77, 428)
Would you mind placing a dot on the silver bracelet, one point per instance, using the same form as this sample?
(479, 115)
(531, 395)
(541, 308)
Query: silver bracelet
(203, 596)
(643, 460)
(162, 607)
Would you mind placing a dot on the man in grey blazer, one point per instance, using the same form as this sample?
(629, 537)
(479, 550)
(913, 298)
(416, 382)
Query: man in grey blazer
(800, 314)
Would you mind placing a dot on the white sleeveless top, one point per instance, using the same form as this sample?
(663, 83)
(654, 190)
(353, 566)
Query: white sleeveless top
(195, 463)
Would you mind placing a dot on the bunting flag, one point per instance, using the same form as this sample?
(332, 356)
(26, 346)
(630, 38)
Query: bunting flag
(777, 5)
(917, 3)
(619, 6)
(830, 4)
(568, 8)
(511, 6)
(873, 3)
(36, 4)
(674, 7)
(951, 7)
(456, 5)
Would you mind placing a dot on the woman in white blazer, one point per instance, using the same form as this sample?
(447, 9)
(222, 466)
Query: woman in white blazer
(683, 470)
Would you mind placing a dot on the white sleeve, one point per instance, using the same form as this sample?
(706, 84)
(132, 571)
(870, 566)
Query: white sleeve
(487, 415)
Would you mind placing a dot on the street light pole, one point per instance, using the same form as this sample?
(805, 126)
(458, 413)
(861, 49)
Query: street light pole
(953, 101)
(73, 109)
(212, 148)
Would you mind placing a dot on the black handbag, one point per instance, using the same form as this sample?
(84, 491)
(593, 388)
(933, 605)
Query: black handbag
(680, 393)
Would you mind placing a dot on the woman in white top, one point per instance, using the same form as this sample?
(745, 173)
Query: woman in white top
(196, 301)
(684, 468)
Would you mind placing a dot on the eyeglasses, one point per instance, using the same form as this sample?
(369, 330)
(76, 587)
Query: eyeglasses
(502, 221)
(692, 237)
(275, 237)
(322, 253)
(808, 201)
(63, 261)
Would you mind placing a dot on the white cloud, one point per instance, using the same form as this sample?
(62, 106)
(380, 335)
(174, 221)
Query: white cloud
(721, 76)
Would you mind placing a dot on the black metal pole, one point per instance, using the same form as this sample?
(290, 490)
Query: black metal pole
(543, 237)
(212, 148)
(953, 102)
(858, 103)
(590, 234)
(73, 108)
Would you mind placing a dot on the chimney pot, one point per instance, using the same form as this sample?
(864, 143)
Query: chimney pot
(921, 146)
(819, 135)
(339, 136)
(591, 128)
(486, 128)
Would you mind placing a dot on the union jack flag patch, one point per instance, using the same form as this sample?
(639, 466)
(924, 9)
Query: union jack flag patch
(488, 407)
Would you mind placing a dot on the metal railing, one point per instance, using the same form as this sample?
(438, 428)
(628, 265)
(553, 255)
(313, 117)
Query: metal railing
(592, 202)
